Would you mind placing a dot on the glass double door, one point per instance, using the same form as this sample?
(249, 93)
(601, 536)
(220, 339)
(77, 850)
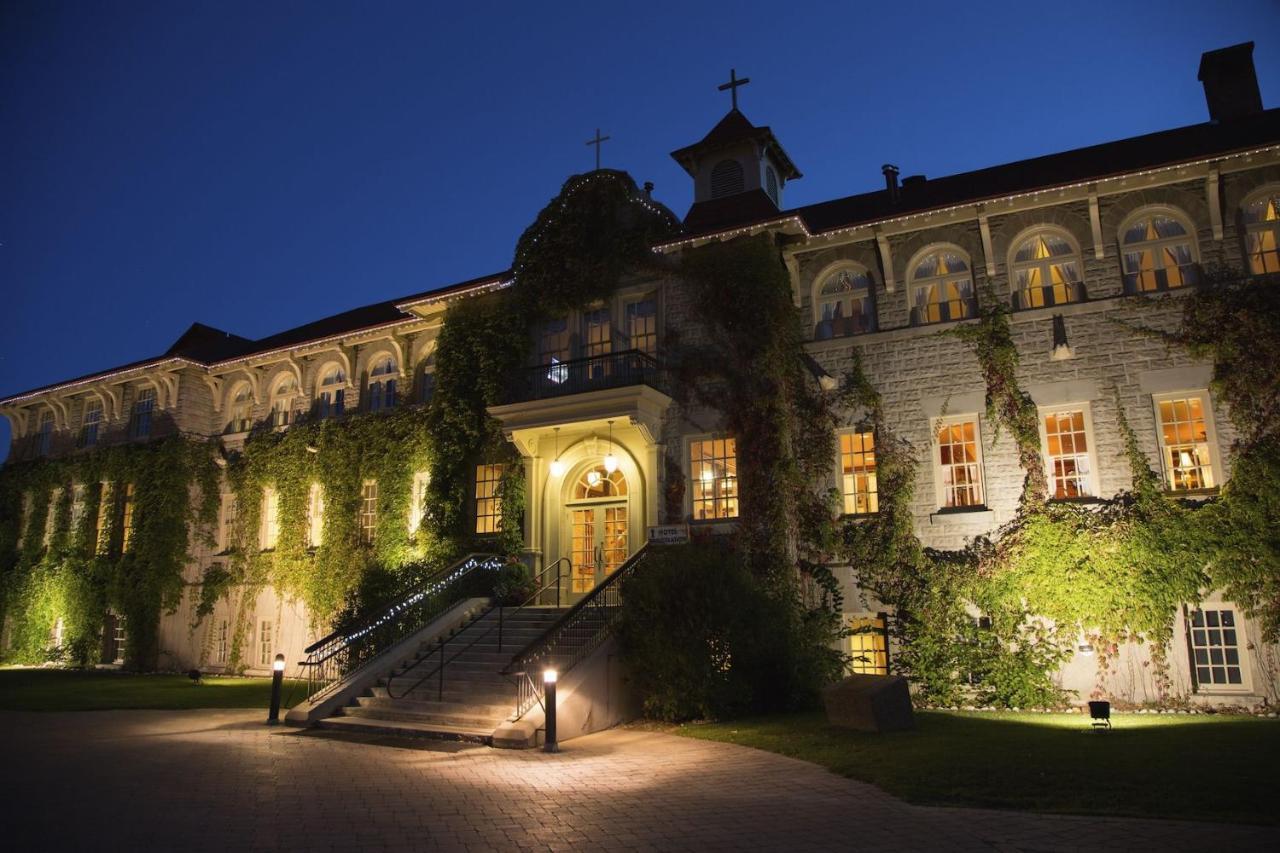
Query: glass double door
(598, 544)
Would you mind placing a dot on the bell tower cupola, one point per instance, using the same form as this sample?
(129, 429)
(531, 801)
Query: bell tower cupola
(737, 167)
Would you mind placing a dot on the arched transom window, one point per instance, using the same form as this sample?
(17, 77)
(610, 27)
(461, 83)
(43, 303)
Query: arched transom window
(1046, 271)
(844, 304)
(1158, 252)
(382, 384)
(942, 287)
(598, 483)
(332, 399)
(1262, 232)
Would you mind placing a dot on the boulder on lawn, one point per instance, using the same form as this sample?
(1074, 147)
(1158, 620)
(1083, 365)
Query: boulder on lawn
(870, 703)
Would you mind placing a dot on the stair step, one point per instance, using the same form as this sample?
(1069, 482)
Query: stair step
(495, 695)
(407, 729)
(474, 722)
(478, 709)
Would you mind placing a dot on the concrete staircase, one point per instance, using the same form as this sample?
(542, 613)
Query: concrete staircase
(477, 698)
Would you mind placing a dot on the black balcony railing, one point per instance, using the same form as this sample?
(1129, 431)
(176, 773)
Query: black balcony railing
(614, 370)
(1048, 296)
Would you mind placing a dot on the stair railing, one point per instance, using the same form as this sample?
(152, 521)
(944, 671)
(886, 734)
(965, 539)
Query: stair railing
(439, 651)
(576, 634)
(331, 659)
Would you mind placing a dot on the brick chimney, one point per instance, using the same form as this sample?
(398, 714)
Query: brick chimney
(1230, 82)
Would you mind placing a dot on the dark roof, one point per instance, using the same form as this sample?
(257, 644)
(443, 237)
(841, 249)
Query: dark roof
(1096, 162)
(205, 343)
(733, 128)
(724, 212)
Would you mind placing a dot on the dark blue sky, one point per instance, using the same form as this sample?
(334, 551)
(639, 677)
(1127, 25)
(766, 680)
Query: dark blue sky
(257, 165)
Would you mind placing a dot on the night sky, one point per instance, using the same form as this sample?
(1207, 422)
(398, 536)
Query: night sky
(258, 165)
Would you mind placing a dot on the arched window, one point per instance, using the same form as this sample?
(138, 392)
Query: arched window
(726, 178)
(282, 395)
(382, 384)
(771, 183)
(942, 287)
(91, 422)
(844, 303)
(241, 409)
(599, 483)
(1045, 270)
(46, 432)
(427, 379)
(143, 406)
(1262, 231)
(331, 401)
(1157, 250)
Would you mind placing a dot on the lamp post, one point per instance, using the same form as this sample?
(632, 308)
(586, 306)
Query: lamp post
(277, 676)
(549, 697)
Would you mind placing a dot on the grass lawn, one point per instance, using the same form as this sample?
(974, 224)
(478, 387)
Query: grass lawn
(70, 690)
(1216, 768)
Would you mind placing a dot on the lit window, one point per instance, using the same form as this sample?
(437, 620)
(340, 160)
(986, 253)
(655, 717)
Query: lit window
(127, 517)
(382, 385)
(46, 432)
(640, 321)
(142, 409)
(230, 510)
(713, 466)
(553, 349)
(844, 304)
(282, 397)
(858, 473)
(1215, 645)
(266, 650)
(332, 400)
(1185, 441)
(597, 337)
(1067, 451)
(119, 636)
(1262, 232)
(241, 409)
(597, 482)
(224, 636)
(869, 645)
(418, 500)
(91, 422)
(488, 505)
(1046, 271)
(315, 516)
(368, 512)
(1158, 253)
(959, 464)
(270, 518)
(942, 288)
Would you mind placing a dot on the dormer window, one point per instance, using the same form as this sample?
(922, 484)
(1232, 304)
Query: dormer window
(771, 184)
(382, 384)
(726, 178)
(843, 305)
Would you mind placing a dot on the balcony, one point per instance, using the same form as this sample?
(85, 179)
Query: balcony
(580, 375)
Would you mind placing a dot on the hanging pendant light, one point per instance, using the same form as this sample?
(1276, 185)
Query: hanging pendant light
(557, 467)
(611, 461)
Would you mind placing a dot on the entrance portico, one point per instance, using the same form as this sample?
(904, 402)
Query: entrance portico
(591, 470)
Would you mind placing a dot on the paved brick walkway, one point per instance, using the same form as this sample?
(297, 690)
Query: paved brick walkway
(219, 780)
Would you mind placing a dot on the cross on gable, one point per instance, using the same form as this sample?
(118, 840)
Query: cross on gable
(733, 85)
(597, 142)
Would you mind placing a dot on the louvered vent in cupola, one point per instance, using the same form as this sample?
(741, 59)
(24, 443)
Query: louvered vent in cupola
(726, 178)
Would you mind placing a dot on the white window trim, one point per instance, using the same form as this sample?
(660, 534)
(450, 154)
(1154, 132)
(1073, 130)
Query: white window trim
(1211, 436)
(939, 486)
(1095, 486)
(1242, 645)
(839, 470)
(418, 499)
(268, 538)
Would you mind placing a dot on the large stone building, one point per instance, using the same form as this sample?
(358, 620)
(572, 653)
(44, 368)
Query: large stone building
(1065, 238)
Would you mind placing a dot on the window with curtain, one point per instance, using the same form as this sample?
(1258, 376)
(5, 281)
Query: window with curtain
(959, 458)
(382, 385)
(142, 409)
(1046, 271)
(640, 323)
(844, 306)
(858, 473)
(1184, 433)
(286, 389)
(241, 409)
(942, 288)
(91, 422)
(1262, 232)
(713, 469)
(1157, 252)
(331, 401)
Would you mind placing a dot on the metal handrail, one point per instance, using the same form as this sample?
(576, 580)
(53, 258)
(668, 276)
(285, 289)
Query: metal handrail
(441, 646)
(334, 657)
(573, 636)
(610, 370)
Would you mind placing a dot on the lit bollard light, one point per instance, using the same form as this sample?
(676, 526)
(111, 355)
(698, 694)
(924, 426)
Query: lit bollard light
(277, 678)
(549, 698)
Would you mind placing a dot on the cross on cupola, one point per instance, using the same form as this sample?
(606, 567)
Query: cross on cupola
(733, 85)
(597, 142)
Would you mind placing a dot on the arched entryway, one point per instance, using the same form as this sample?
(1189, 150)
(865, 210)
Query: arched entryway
(598, 522)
